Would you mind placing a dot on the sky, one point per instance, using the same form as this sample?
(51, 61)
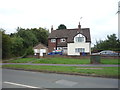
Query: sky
(98, 15)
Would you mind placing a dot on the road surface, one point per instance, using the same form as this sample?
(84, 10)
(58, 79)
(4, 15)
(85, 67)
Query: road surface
(29, 79)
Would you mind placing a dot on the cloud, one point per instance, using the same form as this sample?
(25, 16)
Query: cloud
(98, 15)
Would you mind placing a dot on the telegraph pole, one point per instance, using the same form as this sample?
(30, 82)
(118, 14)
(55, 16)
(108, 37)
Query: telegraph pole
(118, 20)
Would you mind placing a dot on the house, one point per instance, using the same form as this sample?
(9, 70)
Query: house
(70, 41)
(40, 49)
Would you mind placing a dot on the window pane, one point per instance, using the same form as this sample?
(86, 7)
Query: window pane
(53, 40)
(78, 50)
(79, 39)
(63, 40)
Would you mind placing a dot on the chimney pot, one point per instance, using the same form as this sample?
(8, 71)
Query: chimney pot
(79, 26)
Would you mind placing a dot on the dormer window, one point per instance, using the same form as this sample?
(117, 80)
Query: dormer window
(63, 40)
(53, 40)
(79, 38)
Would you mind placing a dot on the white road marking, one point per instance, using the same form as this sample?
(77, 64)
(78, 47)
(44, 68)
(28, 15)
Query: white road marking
(66, 82)
(21, 85)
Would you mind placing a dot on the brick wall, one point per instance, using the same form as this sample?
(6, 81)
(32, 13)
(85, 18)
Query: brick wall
(80, 57)
(66, 56)
(74, 57)
(52, 45)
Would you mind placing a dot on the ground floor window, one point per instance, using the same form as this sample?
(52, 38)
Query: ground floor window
(78, 50)
(59, 48)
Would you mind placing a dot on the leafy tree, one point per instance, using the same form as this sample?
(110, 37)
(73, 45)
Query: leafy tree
(28, 37)
(61, 26)
(21, 43)
(0, 43)
(41, 34)
(111, 43)
(17, 46)
(28, 51)
(6, 45)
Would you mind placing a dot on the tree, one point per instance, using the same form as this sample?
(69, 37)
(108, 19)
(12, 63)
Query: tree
(111, 43)
(28, 51)
(6, 45)
(17, 48)
(22, 42)
(0, 43)
(41, 34)
(61, 26)
(28, 37)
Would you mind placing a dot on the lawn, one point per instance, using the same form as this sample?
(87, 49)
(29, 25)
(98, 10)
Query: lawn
(73, 61)
(58, 60)
(22, 60)
(110, 61)
(94, 71)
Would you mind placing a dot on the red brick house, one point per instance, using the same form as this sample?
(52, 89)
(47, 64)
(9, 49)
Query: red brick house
(71, 41)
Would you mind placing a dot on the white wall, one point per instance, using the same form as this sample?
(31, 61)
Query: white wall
(36, 51)
(72, 46)
(79, 35)
(40, 51)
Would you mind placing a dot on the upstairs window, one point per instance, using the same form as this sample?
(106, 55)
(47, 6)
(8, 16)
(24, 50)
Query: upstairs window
(63, 40)
(79, 38)
(53, 40)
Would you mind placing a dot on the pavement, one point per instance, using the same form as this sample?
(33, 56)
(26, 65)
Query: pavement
(29, 79)
(96, 65)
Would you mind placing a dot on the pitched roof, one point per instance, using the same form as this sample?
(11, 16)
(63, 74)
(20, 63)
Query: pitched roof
(39, 46)
(70, 34)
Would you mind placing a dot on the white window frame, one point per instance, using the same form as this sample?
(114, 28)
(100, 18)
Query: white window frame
(59, 48)
(79, 38)
(53, 40)
(63, 40)
(79, 50)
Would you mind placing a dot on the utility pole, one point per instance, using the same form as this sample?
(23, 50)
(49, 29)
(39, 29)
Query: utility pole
(118, 20)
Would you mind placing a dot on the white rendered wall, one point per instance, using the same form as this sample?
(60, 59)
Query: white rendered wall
(42, 51)
(72, 46)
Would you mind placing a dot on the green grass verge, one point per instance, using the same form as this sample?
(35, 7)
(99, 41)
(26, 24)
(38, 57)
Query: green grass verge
(73, 61)
(103, 71)
(58, 60)
(110, 61)
(22, 60)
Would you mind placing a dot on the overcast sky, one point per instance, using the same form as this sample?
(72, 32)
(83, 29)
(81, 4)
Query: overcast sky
(98, 15)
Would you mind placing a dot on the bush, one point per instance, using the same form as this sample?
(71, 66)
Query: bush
(28, 51)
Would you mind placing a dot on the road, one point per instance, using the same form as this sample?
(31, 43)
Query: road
(29, 79)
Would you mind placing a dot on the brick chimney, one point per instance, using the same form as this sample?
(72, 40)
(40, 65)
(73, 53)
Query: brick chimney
(79, 26)
(51, 28)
